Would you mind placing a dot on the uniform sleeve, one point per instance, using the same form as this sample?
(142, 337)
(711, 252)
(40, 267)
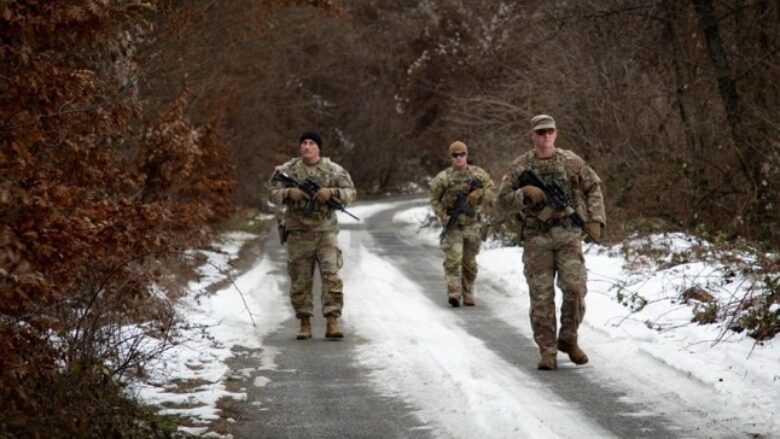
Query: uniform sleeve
(505, 199)
(277, 188)
(438, 186)
(594, 199)
(346, 188)
(488, 186)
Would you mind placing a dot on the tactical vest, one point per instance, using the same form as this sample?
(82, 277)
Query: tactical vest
(555, 171)
(324, 175)
(459, 181)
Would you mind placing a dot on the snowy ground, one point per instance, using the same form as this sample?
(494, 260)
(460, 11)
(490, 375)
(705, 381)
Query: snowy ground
(655, 351)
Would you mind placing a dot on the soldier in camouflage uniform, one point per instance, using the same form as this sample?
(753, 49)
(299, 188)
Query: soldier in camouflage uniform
(311, 237)
(552, 244)
(461, 242)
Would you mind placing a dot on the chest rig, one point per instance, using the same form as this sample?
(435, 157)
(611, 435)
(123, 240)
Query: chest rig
(552, 171)
(319, 174)
(457, 181)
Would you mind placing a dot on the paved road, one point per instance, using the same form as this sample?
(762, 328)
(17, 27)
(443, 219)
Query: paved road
(320, 389)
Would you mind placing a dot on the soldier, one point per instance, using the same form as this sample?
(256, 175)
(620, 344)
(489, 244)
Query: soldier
(311, 234)
(461, 241)
(552, 244)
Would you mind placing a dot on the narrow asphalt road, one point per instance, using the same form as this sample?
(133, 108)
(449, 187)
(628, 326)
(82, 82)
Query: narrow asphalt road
(319, 390)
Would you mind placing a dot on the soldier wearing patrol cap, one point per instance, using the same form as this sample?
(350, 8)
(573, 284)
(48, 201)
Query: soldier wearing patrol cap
(551, 242)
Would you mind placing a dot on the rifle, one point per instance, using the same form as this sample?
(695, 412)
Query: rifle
(556, 198)
(310, 188)
(460, 206)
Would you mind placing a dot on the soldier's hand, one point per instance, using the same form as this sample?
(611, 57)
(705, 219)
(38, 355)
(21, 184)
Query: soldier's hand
(475, 197)
(533, 193)
(295, 194)
(594, 229)
(324, 194)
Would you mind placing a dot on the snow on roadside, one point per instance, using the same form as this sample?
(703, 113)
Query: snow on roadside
(742, 376)
(214, 325)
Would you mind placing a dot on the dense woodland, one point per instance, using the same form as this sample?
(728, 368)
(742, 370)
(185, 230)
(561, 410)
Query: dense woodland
(128, 128)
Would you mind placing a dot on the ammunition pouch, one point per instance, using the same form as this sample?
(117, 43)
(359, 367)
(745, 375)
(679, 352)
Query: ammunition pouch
(282, 231)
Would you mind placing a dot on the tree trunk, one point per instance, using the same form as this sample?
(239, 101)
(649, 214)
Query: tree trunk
(747, 145)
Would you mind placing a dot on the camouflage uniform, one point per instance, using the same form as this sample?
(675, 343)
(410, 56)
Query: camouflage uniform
(554, 246)
(312, 238)
(461, 243)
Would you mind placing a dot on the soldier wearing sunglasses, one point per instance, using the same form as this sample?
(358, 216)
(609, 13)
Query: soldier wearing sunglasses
(551, 242)
(463, 235)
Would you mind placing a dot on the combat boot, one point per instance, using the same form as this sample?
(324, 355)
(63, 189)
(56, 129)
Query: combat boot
(453, 299)
(332, 328)
(468, 300)
(548, 362)
(576, 355)
(305, 331)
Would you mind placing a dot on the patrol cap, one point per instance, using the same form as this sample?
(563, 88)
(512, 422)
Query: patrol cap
(313, 136)
(542, 121)
(458, 146)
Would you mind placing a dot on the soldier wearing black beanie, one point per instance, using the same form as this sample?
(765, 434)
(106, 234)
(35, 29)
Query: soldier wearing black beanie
(313, 136)
(309, 228)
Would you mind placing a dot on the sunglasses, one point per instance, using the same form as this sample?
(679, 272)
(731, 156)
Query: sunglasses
(458, 154)
(543, 131)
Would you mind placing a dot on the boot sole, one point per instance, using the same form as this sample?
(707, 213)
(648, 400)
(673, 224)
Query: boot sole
(578, 363)
(337, 335)
(303, 337)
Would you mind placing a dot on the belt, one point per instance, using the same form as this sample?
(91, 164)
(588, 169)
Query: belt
(533, 223)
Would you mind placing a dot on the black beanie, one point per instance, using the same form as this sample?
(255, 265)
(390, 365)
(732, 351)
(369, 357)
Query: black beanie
(313, 136)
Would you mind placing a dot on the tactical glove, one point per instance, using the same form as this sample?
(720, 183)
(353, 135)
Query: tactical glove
(475, 197)
(533, 194)
(594, 229)
(295, 194)
(324, 194)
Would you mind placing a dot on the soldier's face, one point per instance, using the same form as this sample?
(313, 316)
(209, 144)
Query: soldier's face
(310, 152)
(459, 160)
(544, 138)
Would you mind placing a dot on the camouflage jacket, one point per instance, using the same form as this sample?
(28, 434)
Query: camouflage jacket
(449, 181)
(579, 180)
(327, 174)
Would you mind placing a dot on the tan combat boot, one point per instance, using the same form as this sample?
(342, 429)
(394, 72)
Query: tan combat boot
(548, 362)
(305, 331)
(332, 328)
(576, 355)
(468, 300)
(453, 299)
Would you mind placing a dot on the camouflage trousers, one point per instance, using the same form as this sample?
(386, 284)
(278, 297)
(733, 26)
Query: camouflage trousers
(304, 250)
(460, 247)
(545, 254)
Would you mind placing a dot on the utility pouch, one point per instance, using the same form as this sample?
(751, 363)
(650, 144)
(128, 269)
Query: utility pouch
(484, 231)
(280, 228)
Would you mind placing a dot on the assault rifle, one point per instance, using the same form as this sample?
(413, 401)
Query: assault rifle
(556, 198)
(460, 206)
(310, 188)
